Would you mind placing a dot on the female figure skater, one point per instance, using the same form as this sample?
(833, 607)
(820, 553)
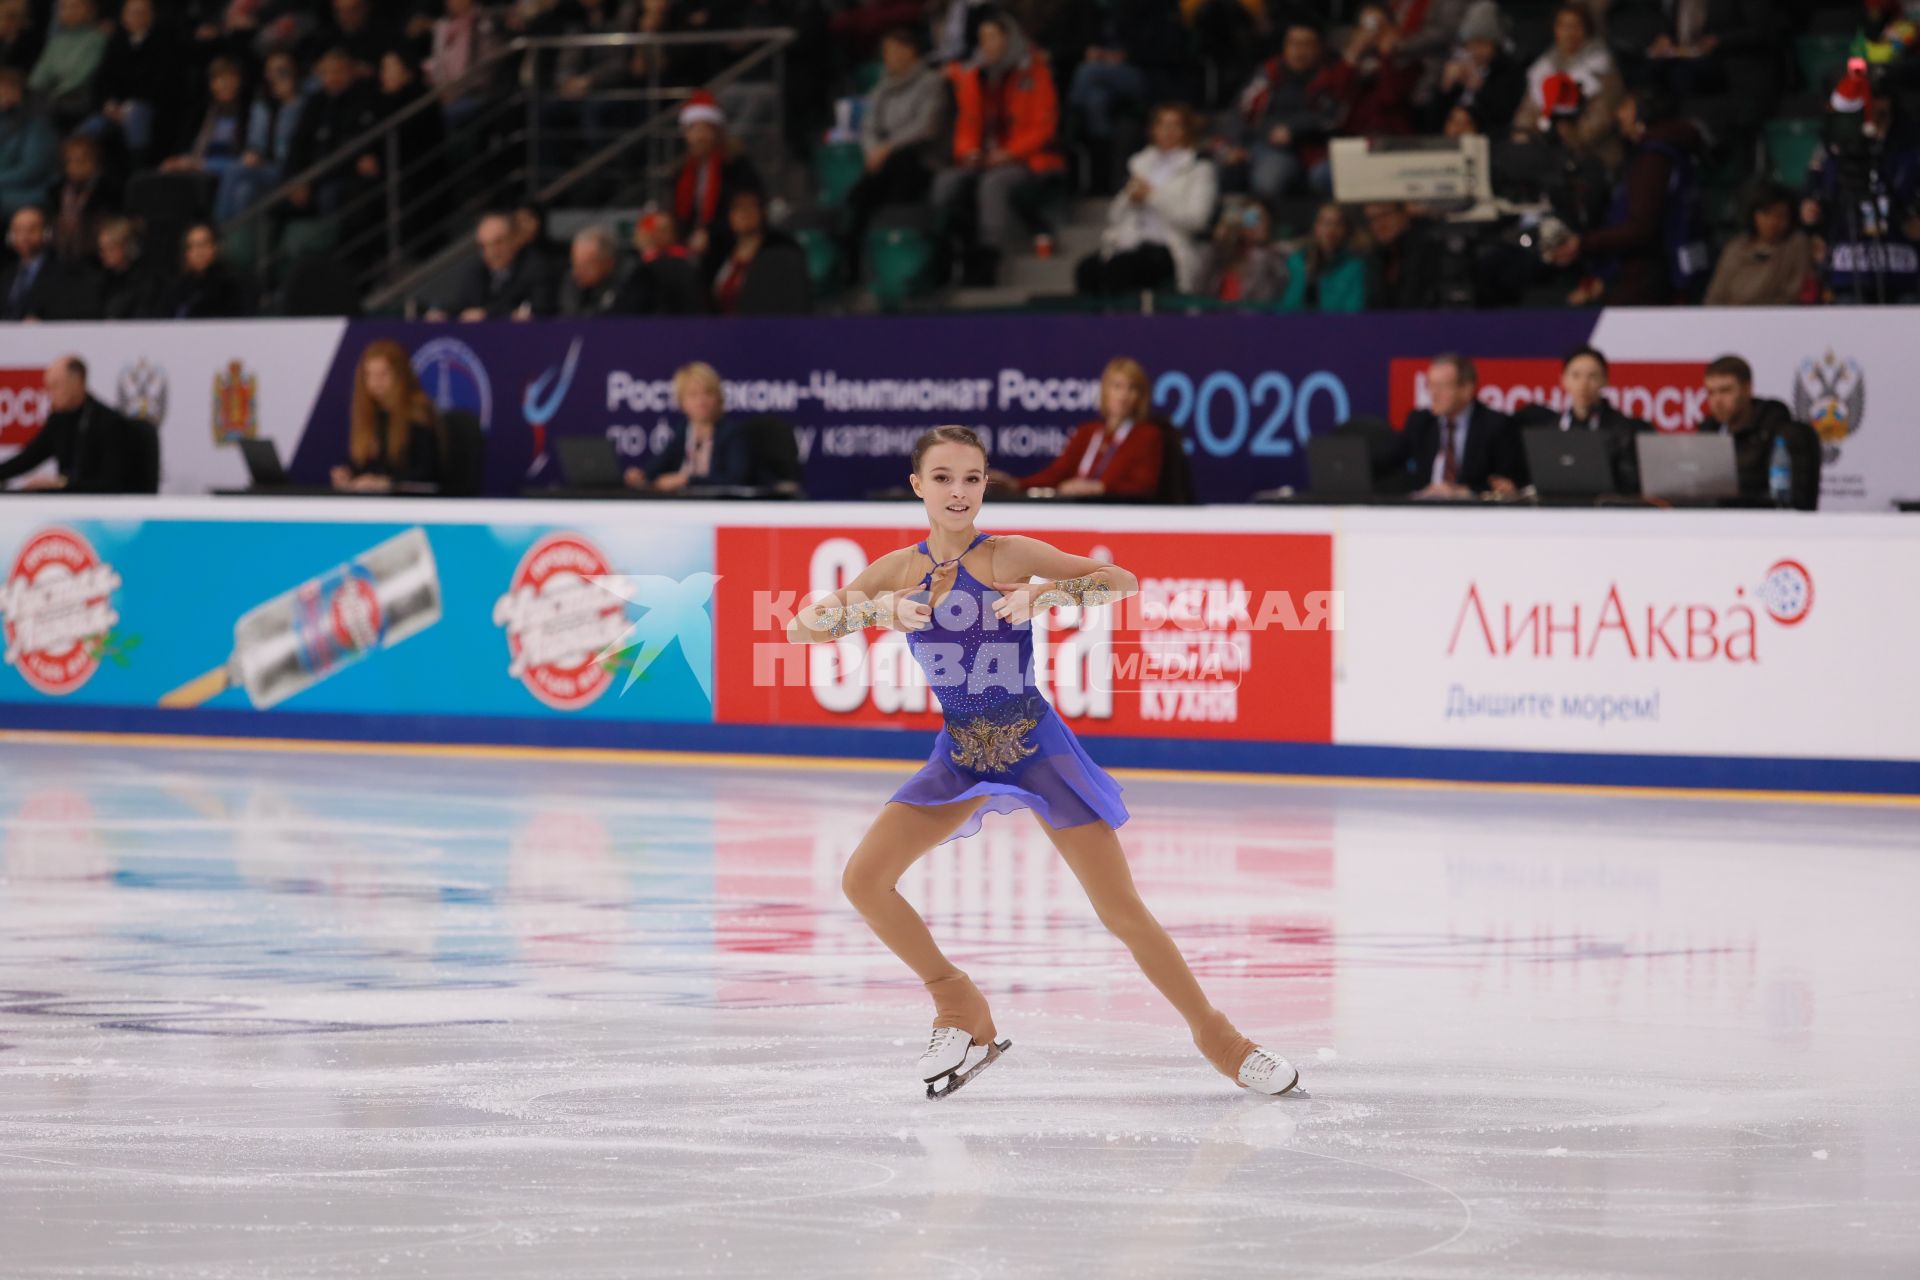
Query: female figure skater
(965, 601)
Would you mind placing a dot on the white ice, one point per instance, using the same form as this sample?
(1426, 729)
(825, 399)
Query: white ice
(307, 1014)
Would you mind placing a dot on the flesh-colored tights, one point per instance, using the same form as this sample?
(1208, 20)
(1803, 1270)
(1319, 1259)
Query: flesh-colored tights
(903, 834)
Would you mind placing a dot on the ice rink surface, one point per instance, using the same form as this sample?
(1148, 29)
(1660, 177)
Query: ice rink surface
(288, 1014)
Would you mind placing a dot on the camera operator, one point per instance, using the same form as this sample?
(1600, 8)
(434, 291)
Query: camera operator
(1861, 196)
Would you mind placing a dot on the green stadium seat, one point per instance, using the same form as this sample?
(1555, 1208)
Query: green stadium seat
(309, 235)
(836, 167)
(1822, 59)
(1790, 145)
(240, 245)
(823, 259)
(899, 264)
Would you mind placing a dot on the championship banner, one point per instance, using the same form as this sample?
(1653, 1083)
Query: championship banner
(1229, 638)
(1789, 639)
(1245, 391)
(415, 620)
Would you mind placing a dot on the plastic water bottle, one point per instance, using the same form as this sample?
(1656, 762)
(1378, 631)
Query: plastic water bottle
(1780, 474)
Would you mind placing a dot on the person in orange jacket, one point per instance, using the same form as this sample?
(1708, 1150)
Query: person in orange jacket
(1005, 117)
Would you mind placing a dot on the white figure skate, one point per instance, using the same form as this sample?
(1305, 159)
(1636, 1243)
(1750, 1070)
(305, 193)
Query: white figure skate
(1271, 1074)
(944, 1065)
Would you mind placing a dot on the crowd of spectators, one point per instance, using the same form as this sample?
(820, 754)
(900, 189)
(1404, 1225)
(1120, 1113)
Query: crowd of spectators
(1633, 130)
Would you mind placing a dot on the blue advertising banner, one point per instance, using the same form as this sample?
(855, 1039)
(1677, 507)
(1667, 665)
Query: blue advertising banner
(390, 619)
(1246, 391)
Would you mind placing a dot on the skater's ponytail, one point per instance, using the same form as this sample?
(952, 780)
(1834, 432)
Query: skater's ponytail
(946, 435)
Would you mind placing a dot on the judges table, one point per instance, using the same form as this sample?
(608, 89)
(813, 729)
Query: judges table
(1710, 648)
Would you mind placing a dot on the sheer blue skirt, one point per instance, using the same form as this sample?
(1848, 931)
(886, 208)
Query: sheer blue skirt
(1019, 756)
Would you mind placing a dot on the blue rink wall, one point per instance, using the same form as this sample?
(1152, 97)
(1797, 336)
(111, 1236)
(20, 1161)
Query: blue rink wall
(1705, 650)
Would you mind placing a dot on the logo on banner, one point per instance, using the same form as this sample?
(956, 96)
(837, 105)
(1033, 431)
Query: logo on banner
(1830, 392)
(1623, 624)
(545, 394)
(1787, 592)
(23, 404)
(142, 392)
(456, 379)
(236, 404)
(558, 623)
(58, 606)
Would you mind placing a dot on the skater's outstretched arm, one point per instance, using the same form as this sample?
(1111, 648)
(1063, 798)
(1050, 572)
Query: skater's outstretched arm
(870, 600)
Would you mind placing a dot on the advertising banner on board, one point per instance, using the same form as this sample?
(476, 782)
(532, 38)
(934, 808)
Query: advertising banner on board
(1627, 641)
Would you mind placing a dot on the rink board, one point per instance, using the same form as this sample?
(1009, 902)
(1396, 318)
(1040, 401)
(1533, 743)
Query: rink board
(1722, 649)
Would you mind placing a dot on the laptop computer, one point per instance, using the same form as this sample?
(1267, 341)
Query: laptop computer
(1569, 464)
(264, 468)
(1338, 466)
(1687, 466)
(589, 462)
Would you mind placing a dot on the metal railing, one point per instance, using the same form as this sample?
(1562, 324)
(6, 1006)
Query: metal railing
(521, 139)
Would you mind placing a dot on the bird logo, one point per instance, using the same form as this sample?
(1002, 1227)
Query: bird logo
(670, 609)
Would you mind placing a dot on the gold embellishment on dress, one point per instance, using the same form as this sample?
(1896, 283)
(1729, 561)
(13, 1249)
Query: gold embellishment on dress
(981, 744)
(1088, 591)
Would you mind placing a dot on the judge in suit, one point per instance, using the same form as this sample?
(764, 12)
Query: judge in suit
(1583, 376)
(1458, 447)
(93, 446)
(1118, 455)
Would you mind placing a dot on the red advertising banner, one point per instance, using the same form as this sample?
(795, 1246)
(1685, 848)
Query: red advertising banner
(1667, 393)
(1230, 637)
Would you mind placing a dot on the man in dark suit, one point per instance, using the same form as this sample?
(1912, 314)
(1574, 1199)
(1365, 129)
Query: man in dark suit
(1755, 425)
(506, 282)
(1458, 447)
(1583, 377)
(593, 283)
(30, 288)
(92, 444)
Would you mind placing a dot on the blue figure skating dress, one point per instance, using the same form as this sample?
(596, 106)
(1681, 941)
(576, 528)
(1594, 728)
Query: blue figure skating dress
(1002, 738)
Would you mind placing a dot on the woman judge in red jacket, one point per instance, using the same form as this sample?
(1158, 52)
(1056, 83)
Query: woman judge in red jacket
(1119, 455)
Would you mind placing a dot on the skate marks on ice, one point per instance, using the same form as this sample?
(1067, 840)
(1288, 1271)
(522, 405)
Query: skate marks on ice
(594, 1021)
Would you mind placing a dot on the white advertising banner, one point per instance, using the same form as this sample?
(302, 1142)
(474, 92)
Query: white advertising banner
(1851, 372)
(206, 384)
(1660, 633)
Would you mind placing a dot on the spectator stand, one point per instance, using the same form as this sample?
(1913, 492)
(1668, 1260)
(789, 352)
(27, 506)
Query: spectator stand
(395, 214)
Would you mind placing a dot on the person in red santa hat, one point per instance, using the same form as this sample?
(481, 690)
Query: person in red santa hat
(704, 187)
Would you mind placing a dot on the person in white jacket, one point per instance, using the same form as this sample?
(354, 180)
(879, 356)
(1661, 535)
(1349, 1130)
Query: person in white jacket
(1168, 200)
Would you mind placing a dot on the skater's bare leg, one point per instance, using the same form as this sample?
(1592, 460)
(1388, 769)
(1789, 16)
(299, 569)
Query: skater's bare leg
(1092, 851)
(898, 838)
